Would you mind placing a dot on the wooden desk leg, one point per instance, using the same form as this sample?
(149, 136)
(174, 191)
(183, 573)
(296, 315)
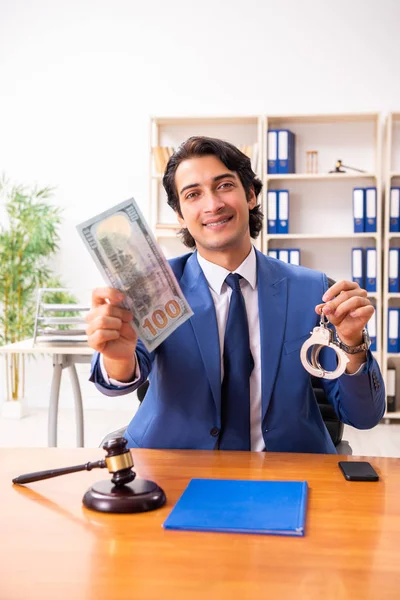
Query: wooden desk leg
(78, 405)
(54, 396)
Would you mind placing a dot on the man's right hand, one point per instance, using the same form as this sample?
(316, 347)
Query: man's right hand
(110, 332)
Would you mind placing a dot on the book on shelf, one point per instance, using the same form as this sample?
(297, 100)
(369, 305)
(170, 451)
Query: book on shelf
(357, 266)
(251, 151)
(294, 256)
(358, 210)
(371, 267)
(286, 151)
(272, 151)
(393, 283)
(278, 211)
(371, 328)
(280, 151)
(283, 254)
(272, 211)
(393, 331)
(370, 209)
(287, 255)
(395, 210)
(161, 156)
(283, 211)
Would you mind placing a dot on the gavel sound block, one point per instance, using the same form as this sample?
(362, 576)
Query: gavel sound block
(123, 494)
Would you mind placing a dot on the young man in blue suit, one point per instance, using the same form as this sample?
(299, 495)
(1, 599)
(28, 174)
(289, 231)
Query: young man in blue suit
(213, 190)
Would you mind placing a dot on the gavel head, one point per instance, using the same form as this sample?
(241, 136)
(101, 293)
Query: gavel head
(119, 461)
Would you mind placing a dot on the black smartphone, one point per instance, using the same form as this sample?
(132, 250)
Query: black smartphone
(358, 471)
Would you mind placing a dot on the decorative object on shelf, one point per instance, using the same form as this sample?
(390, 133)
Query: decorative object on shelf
(28, 239)
(54, 319)
(123, 494)
(340, 168)
(312, 161)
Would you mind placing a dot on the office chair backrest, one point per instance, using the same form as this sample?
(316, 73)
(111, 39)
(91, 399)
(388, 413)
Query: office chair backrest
(333, 425)
(141, 391)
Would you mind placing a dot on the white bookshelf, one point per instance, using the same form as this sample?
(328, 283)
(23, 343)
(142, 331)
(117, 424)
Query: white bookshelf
(390, 240)
(320, 206)
(321, 211)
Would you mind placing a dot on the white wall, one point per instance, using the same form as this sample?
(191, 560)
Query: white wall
(79, 80)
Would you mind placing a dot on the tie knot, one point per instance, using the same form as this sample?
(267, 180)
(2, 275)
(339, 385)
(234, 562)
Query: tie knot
(233, 281)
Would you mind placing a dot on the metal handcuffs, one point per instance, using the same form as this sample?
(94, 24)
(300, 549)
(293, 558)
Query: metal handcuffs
(322, 336)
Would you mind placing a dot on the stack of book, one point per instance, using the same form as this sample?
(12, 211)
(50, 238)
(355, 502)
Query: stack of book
(161, 155)
(251, 151)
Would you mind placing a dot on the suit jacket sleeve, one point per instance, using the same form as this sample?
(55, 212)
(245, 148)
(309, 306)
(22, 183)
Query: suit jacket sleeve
(145, 363)
(359, 400)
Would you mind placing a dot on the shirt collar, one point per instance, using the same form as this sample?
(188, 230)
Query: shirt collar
(216, 274)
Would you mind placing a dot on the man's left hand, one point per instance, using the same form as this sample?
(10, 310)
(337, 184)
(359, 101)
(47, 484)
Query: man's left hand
(348, 309)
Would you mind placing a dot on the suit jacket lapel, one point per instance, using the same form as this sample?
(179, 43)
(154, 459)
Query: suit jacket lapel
(272, 305)
(204, 322)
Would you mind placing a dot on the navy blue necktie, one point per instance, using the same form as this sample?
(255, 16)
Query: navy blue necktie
(238, 365)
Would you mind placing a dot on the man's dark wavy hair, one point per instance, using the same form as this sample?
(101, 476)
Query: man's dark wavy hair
(232, 158)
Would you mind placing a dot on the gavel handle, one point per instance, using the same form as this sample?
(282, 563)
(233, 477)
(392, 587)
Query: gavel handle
(30, 477)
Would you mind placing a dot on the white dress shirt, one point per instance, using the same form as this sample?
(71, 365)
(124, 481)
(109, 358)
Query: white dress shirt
(221, 294)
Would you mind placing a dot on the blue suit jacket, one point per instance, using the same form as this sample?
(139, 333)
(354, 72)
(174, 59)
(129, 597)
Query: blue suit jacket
(182, 407)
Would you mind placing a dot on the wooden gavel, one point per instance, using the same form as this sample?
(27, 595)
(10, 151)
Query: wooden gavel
(122, 494)
(118, 461)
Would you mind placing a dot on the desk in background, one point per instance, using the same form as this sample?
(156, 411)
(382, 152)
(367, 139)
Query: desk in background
(54, 548)
(64, 357)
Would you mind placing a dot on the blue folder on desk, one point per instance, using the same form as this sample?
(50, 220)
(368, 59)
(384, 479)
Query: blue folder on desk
(241, 506)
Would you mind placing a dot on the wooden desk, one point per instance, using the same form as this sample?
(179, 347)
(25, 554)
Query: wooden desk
(64, 357)
(54, 548)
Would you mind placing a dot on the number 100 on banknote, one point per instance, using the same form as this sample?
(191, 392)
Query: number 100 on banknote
(130, 260)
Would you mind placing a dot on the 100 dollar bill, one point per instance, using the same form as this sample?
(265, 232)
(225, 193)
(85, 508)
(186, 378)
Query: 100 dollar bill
(130, 260)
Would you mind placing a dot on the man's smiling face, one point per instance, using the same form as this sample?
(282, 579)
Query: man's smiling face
(214, 206)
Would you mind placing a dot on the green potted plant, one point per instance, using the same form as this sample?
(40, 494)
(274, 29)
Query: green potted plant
(28, 238)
